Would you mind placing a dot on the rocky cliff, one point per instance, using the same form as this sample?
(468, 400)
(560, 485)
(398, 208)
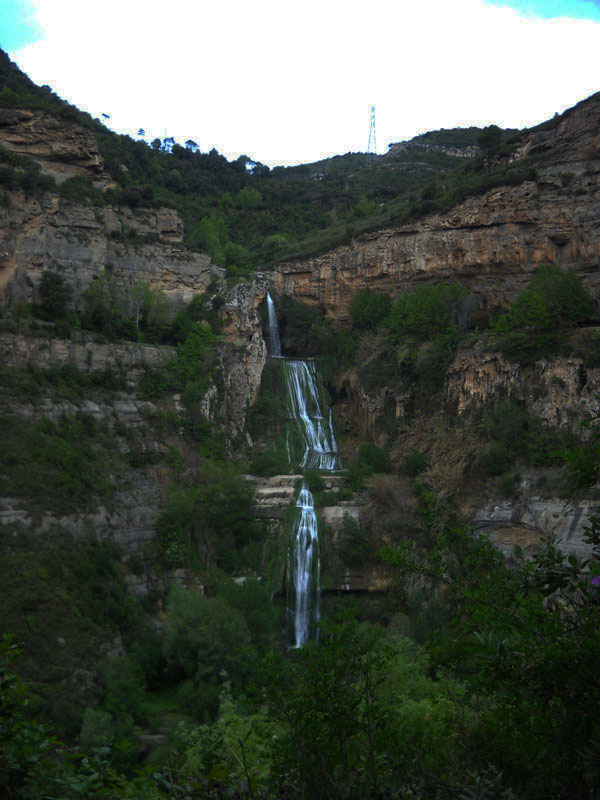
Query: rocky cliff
(62, 148)
(80, 241)
(493, 244)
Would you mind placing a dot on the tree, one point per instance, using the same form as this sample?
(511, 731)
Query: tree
(369, 309)
(192, 146)
(490, 140)
(525, 638)
(206, 641)
(248, 198)
(55, 294)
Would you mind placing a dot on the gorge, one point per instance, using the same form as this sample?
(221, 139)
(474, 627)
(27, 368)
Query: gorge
(316, 525)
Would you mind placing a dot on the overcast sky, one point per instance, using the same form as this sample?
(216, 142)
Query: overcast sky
(290, 82)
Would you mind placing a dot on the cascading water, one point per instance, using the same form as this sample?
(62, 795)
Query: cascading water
(274, 341)
(320, 452)
(320, 448)
(305, 570)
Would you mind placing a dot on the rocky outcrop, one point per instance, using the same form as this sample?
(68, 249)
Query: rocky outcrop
(18, 350)
(560, 391)
(63, 148)
(81, 241)
(523, 522)
(128, 521)
(242, 357)
(569, 140)
(493, 244)
(398, 148)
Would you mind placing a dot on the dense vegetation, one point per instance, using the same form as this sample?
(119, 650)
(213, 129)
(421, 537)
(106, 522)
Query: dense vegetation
(501, 702)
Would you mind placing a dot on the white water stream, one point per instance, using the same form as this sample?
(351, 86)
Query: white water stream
(305, 569)
(320, 452)
(274, 341)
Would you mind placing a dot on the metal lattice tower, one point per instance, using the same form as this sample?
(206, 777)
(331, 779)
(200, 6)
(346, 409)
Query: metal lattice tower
(372, 144)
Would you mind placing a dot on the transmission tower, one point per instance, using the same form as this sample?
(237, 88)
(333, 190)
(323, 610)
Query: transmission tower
(372, 145)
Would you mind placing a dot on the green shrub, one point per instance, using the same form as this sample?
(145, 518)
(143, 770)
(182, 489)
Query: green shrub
(370, 459)
(373, 457)
(355, 547)
(55, 295)
(80, 188)
(59, 467)
(176, 525)
(415, 463)
(314, 480)
(506, 422)
(496, 459)
(207, 642)
(537, 320)
(426, 312)
(269, 463)
(507, 484)
(369, 309)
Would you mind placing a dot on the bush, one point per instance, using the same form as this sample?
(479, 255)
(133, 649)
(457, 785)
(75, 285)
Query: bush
(507, 484)
(207, 642)
(59, 467)
(537, 320)
(371, 459)
(426, 312)
(270, 463)
(80, 188)
(369, 309)
(176, 525)
(55, 295)
(506, 422)
(415, 463)
(496, 459)
(355, 547)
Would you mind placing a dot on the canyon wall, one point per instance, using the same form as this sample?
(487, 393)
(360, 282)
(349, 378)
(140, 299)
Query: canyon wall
(493, 243)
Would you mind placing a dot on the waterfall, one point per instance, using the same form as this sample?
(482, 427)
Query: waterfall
(320, 448)
(305, 568)
(274, 341)
(320, 452)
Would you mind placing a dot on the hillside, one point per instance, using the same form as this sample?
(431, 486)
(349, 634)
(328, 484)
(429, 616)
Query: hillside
(244, 214)
(368, 568)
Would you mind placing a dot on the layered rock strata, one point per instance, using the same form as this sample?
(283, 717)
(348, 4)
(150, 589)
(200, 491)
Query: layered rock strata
(62, 147)
(493, 243)
(80, 241)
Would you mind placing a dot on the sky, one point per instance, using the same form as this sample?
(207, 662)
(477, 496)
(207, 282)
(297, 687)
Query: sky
(292, 82)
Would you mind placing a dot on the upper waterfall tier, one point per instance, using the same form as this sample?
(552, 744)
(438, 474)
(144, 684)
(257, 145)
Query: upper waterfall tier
(274, 348)
(320, 447)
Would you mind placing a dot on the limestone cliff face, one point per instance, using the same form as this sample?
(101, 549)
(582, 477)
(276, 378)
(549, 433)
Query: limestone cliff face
(242, 357)
(80, 241)
(570, 139)
(493, 244)
(61, 147)
(17, 350)
(559, 391)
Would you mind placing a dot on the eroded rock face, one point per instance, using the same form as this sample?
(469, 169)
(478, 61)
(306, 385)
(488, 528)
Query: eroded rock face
(241, 357)
(81, 351)
(63, 148)
(525, 521)
(78, 240)
(560, 391)
(493, 243)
